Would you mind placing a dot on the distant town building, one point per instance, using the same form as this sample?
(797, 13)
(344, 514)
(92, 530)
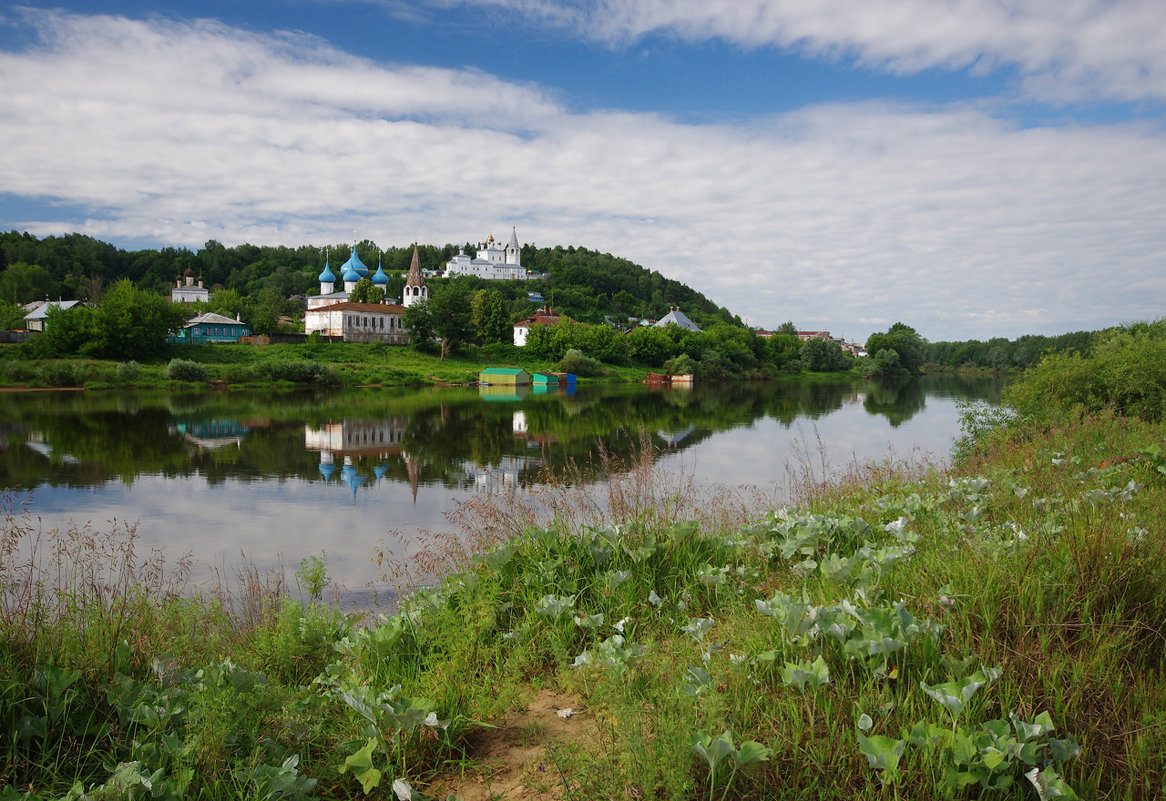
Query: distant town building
(35, 320)
(210, 327)
(493, 261)
(804, 335)
(358, 322)
(677, 317)
(540, 317)
(185, 290)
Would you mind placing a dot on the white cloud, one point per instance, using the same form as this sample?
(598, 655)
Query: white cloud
(1063, 49)
(840, 216)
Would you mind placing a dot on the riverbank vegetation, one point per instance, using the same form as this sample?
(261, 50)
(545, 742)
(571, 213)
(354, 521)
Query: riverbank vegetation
(997, 630)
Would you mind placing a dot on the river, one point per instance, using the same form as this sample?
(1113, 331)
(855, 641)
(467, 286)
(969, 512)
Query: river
(272, 477)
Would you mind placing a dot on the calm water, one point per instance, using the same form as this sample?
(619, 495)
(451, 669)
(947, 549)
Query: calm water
(278, 476)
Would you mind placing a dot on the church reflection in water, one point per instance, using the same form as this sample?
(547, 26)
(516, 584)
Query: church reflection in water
(353, 441)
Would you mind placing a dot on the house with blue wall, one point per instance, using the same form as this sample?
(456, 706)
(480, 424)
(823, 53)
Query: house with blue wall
(211, 327)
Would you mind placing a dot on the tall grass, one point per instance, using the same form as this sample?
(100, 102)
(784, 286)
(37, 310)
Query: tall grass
(992, 631)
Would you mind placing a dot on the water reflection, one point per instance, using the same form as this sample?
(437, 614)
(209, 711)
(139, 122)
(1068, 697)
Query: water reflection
(291, 472)
(445, 438)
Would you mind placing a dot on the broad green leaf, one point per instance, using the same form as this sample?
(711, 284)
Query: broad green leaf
(1064, 750)
(799, 674)
(883, 753)
(362, 768)
(1038, 728)
(1050, 785)
(750, 752)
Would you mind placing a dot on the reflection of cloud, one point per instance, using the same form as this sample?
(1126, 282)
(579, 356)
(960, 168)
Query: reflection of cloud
(768, 452)
(842, 216)
(267, 522)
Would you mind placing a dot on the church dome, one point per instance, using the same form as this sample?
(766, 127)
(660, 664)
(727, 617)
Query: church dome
(326, 277)
(379, 278)
(355, 264)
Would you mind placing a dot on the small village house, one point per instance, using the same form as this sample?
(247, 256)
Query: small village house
(210, 327)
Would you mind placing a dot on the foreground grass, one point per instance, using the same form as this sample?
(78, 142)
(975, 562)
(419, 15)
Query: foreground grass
(998, 631)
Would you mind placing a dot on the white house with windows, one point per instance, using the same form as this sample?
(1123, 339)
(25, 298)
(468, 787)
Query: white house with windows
(493, 261)
(358, 322)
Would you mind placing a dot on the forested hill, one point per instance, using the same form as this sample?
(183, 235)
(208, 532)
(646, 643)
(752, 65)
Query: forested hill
(581, 283)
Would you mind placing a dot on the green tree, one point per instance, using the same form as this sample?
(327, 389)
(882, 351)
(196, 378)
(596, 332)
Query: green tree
(822, 356)
(787, 328)
(228, 302)
(902, 339)
(263, 316)
(418, 321)
(24, 283)
(11, 316)
(366, 291)
(450, 309)
(886, 362)
(488, 314)
(783, 351)
(130, 323)
(650, 346)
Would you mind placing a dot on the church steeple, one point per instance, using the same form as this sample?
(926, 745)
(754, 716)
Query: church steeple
(415, 289)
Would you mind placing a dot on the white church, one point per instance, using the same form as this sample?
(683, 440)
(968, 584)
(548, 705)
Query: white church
(493, 260)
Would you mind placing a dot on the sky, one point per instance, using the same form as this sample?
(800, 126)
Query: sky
(973, 168)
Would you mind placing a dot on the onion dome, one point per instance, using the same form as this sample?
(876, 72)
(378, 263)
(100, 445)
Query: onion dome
(379, 278)
(326, 277)
(326, 470)
(355, 264)
(351, 276)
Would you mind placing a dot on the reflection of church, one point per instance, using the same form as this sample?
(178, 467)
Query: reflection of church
(504, 474)
(353, 441)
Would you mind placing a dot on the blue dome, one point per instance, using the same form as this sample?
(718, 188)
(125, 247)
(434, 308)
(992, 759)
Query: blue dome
(380, 279)
(326, 470)
(351, 275)
(356, 264)
(326, 277)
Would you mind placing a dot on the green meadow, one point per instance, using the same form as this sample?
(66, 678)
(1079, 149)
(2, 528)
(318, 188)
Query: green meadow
(993, 630)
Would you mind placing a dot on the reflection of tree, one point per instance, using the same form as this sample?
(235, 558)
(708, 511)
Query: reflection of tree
(896, 398)
(91, 438)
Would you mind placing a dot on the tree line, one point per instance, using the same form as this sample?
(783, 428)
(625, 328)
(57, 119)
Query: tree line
(585, 284)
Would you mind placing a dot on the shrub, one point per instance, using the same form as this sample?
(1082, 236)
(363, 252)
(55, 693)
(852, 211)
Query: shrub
(680, 365)
(1126, 372)
(574, 361)
(299, 371)
(185, 370)
(239, 373)
(60, 374)
(128, 372)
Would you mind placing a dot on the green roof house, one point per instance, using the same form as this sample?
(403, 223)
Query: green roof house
(504, 376)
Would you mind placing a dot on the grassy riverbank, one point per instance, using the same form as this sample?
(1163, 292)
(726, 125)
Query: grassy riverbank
(316, 363)
(902, 633)
(993, 631)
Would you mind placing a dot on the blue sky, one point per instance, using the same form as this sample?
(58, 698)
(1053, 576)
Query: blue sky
(974, 168)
